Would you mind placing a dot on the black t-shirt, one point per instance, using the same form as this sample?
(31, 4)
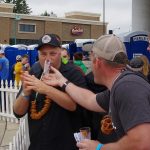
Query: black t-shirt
(96, 88)
(55, 130)
(96, 117)
(129, 103)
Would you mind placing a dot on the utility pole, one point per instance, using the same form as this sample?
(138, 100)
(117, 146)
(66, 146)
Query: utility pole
(17, 18)
(104, 17)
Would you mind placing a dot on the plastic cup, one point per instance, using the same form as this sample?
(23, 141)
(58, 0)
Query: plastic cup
(85, 133)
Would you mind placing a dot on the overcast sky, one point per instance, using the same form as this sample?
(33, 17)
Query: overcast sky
(117, 12)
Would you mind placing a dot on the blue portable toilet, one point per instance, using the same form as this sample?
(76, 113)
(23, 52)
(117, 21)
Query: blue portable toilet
(77, 46)
(80, 43)
(33, 53)
(136, 44)
(11, 53)
(72, 49)
(33, 56)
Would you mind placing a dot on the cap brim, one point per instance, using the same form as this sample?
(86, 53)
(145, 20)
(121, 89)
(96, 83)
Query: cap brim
(134, 69)
(47, 44)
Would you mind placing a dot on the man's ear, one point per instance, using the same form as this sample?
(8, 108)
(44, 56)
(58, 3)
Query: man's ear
(98, 63)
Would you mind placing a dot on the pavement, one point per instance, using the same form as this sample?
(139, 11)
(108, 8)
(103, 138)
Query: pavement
(7, 131)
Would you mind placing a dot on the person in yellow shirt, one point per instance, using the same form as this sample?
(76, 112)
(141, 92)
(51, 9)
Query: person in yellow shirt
(18, 70)
(21, 66)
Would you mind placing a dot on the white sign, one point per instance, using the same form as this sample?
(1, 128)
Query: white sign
(137, 55)
(140, 38)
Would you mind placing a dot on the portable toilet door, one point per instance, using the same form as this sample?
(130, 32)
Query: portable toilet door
(11, 53)
(136, 44)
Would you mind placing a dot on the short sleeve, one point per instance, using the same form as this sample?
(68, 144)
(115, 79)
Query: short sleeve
(103, 99)
(133, 104)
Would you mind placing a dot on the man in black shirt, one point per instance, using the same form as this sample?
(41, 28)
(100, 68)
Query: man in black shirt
(127, 99)
(53, 116)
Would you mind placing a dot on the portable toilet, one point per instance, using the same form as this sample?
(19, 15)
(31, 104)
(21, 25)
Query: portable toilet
(12, 51)
(80, 43)
(72, 49)
(136, 44)
(66, 46)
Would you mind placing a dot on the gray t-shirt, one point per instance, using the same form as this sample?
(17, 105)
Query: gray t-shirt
(129, 102)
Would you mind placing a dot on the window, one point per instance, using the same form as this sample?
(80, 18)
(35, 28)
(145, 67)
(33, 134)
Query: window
(27, 28)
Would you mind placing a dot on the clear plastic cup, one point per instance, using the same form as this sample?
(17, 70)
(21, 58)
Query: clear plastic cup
(85, 133)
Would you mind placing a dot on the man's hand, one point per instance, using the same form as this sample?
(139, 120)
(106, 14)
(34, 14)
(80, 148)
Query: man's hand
(32, 83)
(87, 144)
(26, 91)
(54, 79)
(27, 65)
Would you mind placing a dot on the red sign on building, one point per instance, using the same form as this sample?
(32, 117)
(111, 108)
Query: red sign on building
(76, 30)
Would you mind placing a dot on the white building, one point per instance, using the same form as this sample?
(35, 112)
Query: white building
(141, 15)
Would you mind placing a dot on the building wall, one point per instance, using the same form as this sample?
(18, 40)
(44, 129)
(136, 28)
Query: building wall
(5, 10)
(140, 15)
(6, 7)
(9, 28)
(4, 30)
(66, 32)
(84, 17)
(40, 26)
(96, 31)
(53, 27)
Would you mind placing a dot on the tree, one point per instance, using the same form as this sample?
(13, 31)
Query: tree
(45, 13)
(20, 7)
(51, 14)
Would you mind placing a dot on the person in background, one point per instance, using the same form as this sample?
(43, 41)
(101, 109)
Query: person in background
(21, 66)
(135, 64)
(25, 62)
(78, 56)
(86, 56)
(145, 68)
(53, 116)
(18, 59)
(140, 65)
(65, 55)
(18, 72)
(4, 65)
(126, 101)
(4, 72)
(87, 62)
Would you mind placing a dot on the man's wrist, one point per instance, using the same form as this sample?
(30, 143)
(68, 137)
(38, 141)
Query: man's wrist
(26, 97)
(61, 82)
(63, 87)
(99, 146)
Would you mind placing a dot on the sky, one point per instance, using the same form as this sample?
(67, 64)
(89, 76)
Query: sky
(117, 12)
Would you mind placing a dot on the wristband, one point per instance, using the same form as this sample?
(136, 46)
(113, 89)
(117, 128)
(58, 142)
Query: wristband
(99, 146)
(25, 96)
(65, 85)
